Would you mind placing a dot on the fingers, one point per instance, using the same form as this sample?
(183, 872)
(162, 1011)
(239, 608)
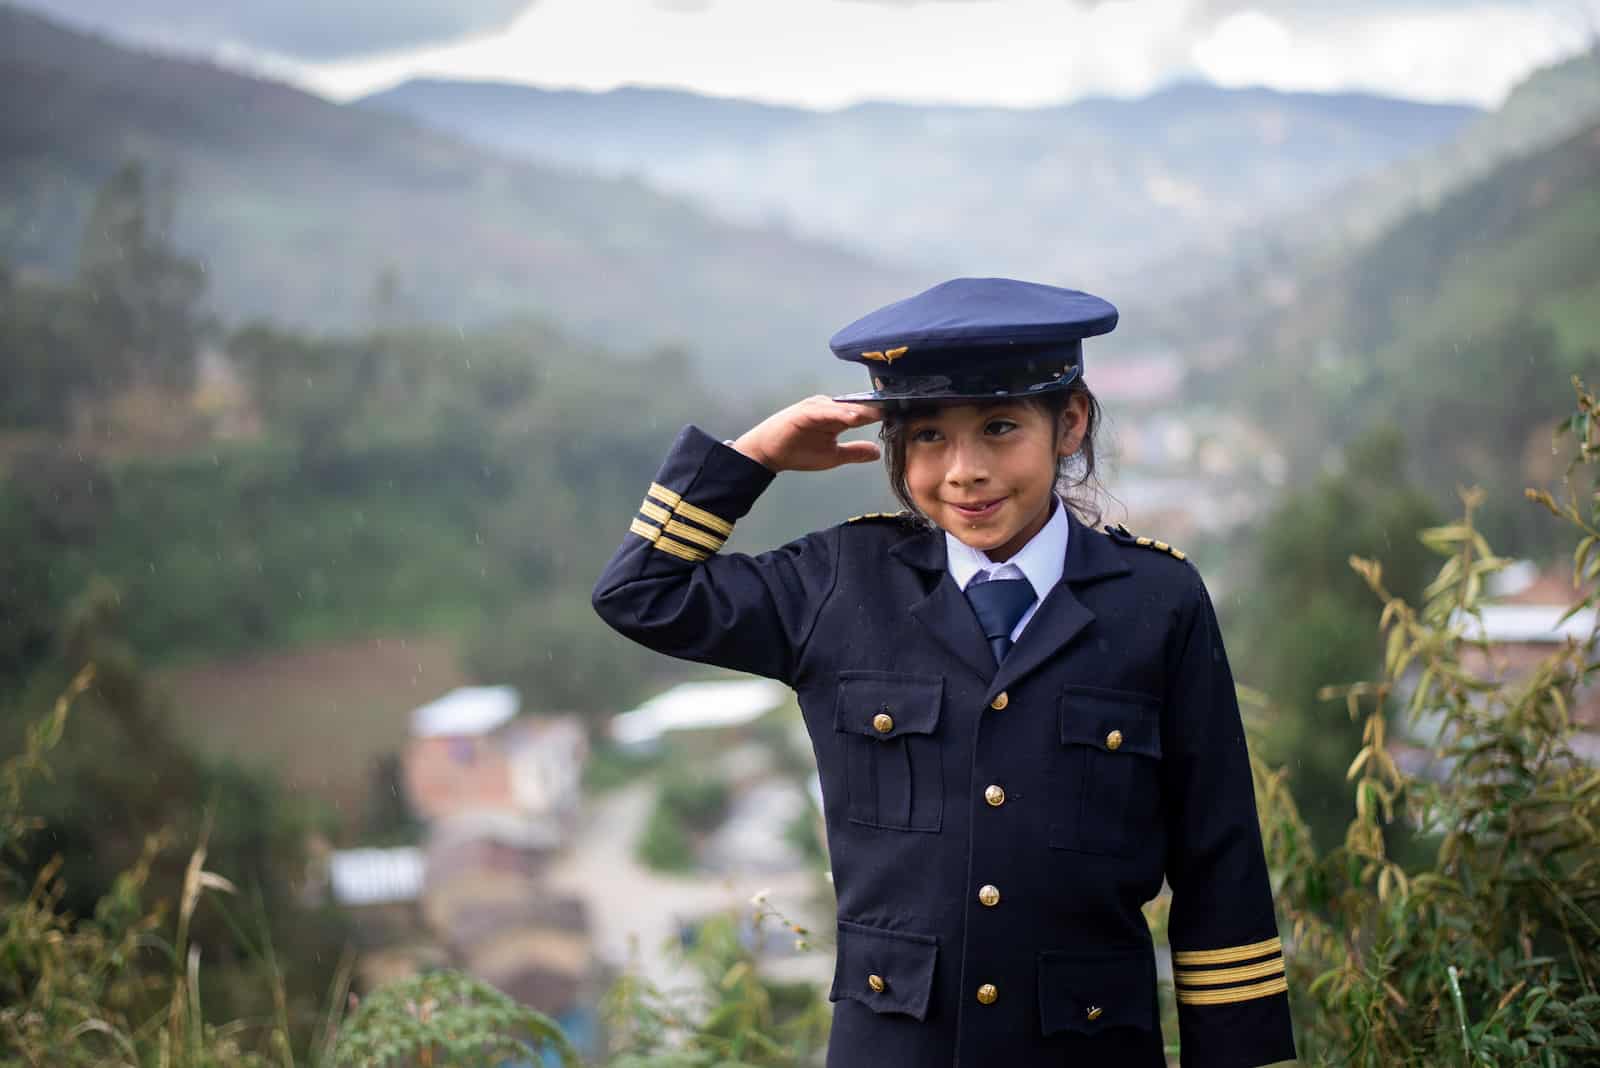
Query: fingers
(824, 412)
(858, 452)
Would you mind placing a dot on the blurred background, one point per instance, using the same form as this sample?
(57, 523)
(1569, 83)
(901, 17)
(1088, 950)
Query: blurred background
(339, 340)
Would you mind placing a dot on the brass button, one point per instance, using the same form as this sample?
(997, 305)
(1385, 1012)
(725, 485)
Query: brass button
(1113, 740)
(877, 984)
(987, 993)
(995, 796)
(989, 895)
(1000, 701)
(1094, 1012)
(883, 723)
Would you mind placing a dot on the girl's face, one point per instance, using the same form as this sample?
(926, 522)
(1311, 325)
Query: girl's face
(985, 472)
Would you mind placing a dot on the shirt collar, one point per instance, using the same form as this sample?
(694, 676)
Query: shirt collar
(1040, 561)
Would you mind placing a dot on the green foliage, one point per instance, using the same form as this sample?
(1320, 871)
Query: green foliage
(665, 844)
(119, 776)
(446, 1019)
(1486, 950)
(686, 805)
(735, 1018)
(145, 293)
(111, 987)
(1303, 614)
(701, 801)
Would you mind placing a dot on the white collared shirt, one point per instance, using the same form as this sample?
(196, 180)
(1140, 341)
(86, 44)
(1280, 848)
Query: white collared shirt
(1040, 562)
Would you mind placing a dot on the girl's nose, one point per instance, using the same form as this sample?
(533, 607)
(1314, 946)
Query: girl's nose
(967, 466)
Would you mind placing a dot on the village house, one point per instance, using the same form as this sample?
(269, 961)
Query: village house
(1522, 624)
(471, 757)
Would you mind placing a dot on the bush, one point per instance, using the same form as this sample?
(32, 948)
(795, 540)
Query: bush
(665, 844)
(1487, 950)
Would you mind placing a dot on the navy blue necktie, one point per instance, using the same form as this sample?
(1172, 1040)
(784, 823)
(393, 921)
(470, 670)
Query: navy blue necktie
(999, 603)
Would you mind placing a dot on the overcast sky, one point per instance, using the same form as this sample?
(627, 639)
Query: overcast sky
(825, 53)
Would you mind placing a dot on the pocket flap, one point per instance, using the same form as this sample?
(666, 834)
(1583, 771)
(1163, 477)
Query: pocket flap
(1115, 721)
(911, 703)
(1089, 993)
(900, 962)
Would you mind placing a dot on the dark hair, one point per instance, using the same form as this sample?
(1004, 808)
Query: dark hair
(1076, 479)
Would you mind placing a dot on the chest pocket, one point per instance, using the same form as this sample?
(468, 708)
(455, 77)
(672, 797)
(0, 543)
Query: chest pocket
(1105, 784)
(887, 724)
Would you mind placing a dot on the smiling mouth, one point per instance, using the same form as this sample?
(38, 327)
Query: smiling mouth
(981, 510)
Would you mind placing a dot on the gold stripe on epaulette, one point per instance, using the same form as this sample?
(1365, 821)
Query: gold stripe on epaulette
(1228, 955)
(685, 532)
(664, 495)
(680, 550)
(1152, 543)
(703, 517)
(877, 515)
(1279, 985)
(1219, 976)
(654, 511)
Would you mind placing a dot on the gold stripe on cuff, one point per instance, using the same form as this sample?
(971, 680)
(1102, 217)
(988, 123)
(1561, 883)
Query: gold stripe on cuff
(1230, 955)
(644, 530)
(664, 495)
(655, 511)
(685, 532)
(680, 550)
(1236, 993)
(703, 517)
(1218, 976)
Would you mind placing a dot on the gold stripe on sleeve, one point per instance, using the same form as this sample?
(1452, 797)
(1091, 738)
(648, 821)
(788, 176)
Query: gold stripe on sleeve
(655, 511)
(680, 550)
(644, 530)
(1235, 993)
(1231, 955)
(699, 537)
(664, 495)
(1218, 976)
(703, 517)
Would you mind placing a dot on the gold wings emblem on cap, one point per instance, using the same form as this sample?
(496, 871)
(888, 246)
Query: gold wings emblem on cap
(887, 356)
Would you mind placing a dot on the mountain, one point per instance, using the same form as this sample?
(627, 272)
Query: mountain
(1088, 190)
(298, 206)
(1460, 322)
(1548, 106)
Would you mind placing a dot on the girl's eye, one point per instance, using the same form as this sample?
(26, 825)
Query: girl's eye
(925, 434)
(999, 426)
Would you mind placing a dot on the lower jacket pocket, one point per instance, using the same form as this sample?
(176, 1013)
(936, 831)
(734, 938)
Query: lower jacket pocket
(1088, 993)
(887, 971)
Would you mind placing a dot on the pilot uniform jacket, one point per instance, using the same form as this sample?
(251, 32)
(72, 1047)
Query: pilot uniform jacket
(993, 830)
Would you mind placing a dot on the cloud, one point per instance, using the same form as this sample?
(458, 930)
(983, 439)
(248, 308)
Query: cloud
(311, 30)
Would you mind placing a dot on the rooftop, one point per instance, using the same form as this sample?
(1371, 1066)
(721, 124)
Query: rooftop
(375, 876)
(466, 710)
(698, 706)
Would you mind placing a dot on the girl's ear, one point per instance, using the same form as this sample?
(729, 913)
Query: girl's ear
(1070, 423)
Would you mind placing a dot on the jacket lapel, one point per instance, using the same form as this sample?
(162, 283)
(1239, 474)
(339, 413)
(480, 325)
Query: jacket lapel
(944, 612)
(1061, 617)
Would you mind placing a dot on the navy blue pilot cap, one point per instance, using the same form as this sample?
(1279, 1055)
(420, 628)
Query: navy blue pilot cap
(973, 338)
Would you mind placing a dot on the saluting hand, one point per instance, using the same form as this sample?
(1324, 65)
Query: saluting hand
(805, 436)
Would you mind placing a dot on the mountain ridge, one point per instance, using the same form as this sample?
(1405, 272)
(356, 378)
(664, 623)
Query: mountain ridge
(1097, 186)
(298, 206)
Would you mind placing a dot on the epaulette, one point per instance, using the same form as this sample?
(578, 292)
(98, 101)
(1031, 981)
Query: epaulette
(1121, 533)
(883, 517)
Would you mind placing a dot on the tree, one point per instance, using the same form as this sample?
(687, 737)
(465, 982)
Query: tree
(1305, 619)
(144, 295)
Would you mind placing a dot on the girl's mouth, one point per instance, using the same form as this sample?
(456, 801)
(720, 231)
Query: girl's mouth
(979, 510)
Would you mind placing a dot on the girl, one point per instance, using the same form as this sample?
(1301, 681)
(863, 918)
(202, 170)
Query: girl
(1022, 723)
